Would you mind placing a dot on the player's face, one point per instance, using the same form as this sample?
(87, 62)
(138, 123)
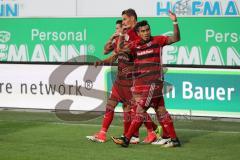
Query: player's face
(118, 28)
(127, 21)
(144, 33)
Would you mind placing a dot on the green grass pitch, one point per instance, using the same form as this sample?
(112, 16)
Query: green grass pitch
(39, 136)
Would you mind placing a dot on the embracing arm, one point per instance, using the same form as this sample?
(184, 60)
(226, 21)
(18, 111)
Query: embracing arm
(108, 60)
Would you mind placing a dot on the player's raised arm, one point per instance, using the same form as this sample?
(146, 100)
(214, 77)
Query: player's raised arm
(121, 39)
(176, 31)
(111, 43)
(109, 46)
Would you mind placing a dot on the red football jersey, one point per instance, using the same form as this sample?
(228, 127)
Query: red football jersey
(131, 36)
(124, 61)
(147, 60)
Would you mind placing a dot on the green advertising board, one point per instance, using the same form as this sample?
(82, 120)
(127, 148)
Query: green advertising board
(199, 90)
(204, 89)
(204, 41)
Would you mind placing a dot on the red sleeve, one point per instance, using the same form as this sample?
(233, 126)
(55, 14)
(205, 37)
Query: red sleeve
(162, 40)
(115, 44)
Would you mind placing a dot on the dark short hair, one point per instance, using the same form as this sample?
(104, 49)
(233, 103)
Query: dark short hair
(130, 12)
(119, 22)
(141, 24)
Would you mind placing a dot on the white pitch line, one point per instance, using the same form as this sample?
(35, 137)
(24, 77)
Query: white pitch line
(97, 125)
(198, 130)
(187, 130)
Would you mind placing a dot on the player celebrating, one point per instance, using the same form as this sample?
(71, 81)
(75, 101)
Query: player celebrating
(120, 93)
(129, 20)
(148, 84)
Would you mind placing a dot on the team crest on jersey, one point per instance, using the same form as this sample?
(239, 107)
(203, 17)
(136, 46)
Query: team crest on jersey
(149, 44)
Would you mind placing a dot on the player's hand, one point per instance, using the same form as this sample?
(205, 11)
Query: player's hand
(125, 48)
(172, 16)
(116, 34)
(123, 31)
(127, 70)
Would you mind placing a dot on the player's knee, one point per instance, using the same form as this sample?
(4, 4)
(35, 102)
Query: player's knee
(111, 104)
(161, 110)
(140, 110)
(126, 107)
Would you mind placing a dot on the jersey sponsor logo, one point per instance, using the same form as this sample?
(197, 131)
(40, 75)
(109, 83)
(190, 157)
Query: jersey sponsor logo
(149, 44)
(149, 51)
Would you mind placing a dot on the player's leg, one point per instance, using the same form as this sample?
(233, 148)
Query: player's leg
(126, 118)
(149, 124)
(135, 125)
(125, 96)
(106, 122)
(108, 116)
(137, 121)
(166, 122)
(128, 115)
(164, 137)
(151, 127)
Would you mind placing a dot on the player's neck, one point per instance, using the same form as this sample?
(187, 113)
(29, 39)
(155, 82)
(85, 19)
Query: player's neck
(145, 41)
(133, 24)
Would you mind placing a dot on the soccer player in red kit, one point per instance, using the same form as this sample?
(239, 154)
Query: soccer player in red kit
(121, 88)
(129, 20)
(120, 93)
(148, 81)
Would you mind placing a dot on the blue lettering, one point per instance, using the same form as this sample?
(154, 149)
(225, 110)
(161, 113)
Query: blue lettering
(1, 10)
(195, 9)
(163, 10)
(9, 10)
(212, 11)
(12, 11)
(231, 9)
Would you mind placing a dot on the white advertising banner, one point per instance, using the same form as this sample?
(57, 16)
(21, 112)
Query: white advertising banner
(156, 8)
(44, 86)
(86, 88)
(113, 8)
(37, 8)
